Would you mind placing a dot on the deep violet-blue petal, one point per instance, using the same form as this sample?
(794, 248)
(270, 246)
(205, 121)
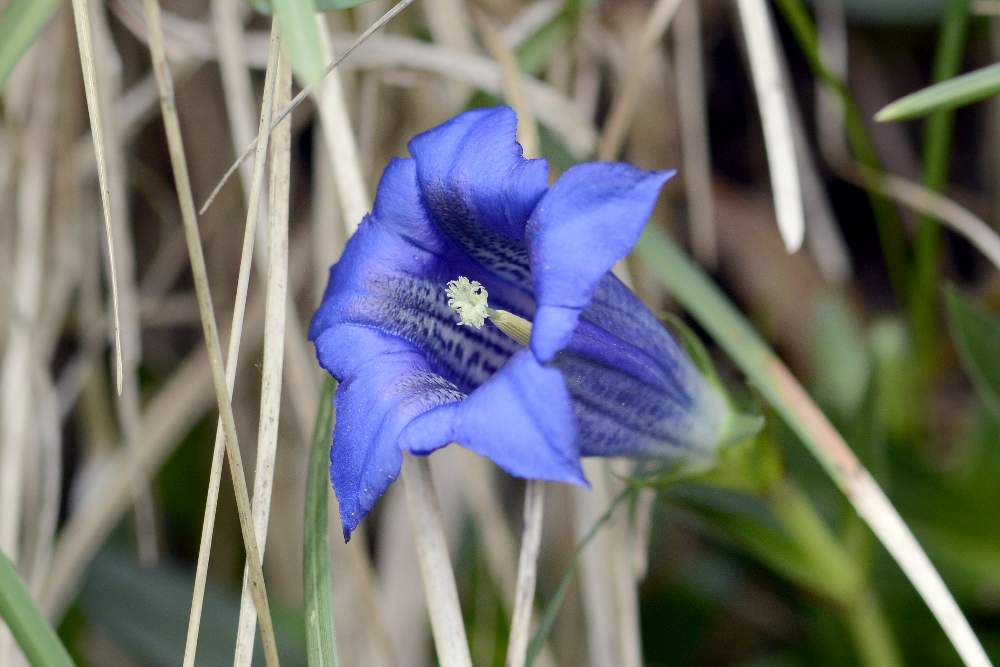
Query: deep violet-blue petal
(602, 376)
(585, 223)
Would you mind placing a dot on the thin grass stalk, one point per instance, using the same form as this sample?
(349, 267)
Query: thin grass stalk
(200, 274)
(232, 353)
(527, 572)
(81, 19)
(274, 346)
(436, 572)
(306, 92)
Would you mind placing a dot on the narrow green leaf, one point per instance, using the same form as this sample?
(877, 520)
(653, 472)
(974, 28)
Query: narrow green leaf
(20, 24)
(955, 92)
(976, 335)
(37, 639)
(320, 642)
(300, 38)
(548, 617)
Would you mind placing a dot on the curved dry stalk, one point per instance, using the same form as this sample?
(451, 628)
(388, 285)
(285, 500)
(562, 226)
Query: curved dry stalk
(232, 354)
(527, 571)
(81, 19)
(274, 348)
(923, 200)
(182, 179)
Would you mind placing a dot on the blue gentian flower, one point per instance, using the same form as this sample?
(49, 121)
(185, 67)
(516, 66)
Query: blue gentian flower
(601, 376)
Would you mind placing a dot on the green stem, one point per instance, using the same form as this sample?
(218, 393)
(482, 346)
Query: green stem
(937, 147)
(320, 642)
(873, 639)
(838, 577)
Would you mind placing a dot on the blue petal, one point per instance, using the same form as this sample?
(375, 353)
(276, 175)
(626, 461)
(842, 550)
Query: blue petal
(589, 220)
(521, 418)
(365, 457)
(479, 190)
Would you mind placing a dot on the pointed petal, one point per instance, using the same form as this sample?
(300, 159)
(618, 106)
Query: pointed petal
(521, 419)
(584, 224)
(365, 457)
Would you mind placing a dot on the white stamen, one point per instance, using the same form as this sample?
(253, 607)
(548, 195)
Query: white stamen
(468, 298)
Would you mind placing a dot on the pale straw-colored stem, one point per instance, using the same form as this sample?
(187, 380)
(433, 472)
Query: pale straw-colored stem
(527, 571)
(232, 357)
(274, 348)
(200, 274)
(436, 573)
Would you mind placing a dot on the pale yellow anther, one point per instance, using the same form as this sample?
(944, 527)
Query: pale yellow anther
(470, 300)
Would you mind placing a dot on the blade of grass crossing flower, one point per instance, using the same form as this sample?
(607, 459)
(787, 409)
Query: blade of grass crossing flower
(321, 644)
(232, 353)
(275, 317)
(706, 303)
(20, 24)
(84, 34)
(936, 150)
(548, 617)
(199, 271)
(958, 91)
(37, 639)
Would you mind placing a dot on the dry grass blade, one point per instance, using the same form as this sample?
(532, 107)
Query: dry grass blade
(182, 179)
(341, 144)
(233, 353)
(305, 92)
(527, 571)
(274, 347)
(697, 168)
(762, 46)
(81, 18)
(128, 407)
(435, 565)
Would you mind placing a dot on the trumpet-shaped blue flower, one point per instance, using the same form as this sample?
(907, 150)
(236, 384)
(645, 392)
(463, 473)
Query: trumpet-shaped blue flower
(601, 376)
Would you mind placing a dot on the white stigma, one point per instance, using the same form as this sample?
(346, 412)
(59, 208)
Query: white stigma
(468, 298)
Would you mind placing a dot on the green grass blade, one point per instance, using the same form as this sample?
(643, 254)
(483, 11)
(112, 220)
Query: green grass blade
(936, 151)
(300, 37)
(976, 333)
(958, 91)
(20, 24)
(320, 642)
(37, 639)
(548, 618)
